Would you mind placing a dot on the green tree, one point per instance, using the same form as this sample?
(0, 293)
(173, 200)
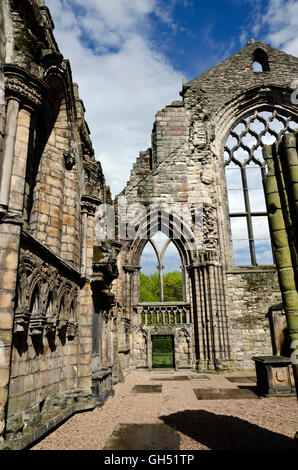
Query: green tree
(173, 287)
(149, 287)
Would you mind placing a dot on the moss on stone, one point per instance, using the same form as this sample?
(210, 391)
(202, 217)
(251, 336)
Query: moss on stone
(26, 44)
(97, 254)
(256, 281)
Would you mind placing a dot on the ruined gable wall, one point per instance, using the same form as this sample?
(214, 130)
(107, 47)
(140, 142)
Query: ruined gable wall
(187, 166)
(224, 94)
(235, 76)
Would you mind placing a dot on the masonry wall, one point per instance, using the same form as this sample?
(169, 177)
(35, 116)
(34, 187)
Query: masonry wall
(55, 217)
(251, 294)
(49, 195)
(2, 59)
(44, 368)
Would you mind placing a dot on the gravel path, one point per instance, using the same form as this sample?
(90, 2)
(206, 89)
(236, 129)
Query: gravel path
(267, 423)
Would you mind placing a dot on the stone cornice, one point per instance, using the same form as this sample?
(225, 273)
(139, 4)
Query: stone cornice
(131, 269)
(89, 204)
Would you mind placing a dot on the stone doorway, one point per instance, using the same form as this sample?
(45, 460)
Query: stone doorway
(163, 351)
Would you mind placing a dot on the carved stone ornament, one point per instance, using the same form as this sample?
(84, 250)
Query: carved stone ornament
(61, 324)
(71, 329)
(21, 321)
(23, 86)
(37, 324)
(89, 204)
(51, 325)
(207, 176)
(210, 230)
(69, 160)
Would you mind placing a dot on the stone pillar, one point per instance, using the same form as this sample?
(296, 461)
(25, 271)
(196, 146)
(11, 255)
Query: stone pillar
(210, 321)
(279, 218)
(131, 288)
(160, 275)
(135, 286)
(16, 199)
(88, 207)
(23, 94)
(12, 112)
(84, 213)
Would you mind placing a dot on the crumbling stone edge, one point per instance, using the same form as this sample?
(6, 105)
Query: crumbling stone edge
(34, 434)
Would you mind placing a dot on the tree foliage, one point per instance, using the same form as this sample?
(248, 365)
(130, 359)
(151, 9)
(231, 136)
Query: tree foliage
(149, 287)
(173, 287)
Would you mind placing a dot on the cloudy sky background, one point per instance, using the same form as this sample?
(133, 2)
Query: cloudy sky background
(129, 57)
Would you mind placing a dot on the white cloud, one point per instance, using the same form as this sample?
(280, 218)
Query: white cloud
(123, 79)
(281, 17)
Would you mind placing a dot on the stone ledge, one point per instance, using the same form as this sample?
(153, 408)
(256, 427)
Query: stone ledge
(251, 269)
(101, 374)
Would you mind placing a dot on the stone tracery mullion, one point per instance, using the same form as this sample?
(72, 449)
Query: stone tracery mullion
(247, 131)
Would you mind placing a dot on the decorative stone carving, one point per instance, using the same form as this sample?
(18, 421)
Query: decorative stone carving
(37, 324)
(69, 160)
(207, 176)
(62, 325)
(71, 329)
(50, 327)
(210, 228)
(21, 321)
(89, 204)
(23, 86)
(52, 290)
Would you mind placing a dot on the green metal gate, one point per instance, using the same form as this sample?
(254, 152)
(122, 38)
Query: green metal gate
(163, 351)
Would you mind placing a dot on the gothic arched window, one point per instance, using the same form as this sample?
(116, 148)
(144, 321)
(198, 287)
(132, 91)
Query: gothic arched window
(161, 277)
(245, 169)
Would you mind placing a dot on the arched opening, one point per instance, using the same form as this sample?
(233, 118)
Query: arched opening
(161, 277)
(260, 61)
(34, 304)
(172, 275)
(245, 169)
(149, 277)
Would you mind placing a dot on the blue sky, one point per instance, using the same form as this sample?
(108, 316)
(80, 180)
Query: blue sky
(129, 57)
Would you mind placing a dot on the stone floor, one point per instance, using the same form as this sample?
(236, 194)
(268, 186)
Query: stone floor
(220, 419)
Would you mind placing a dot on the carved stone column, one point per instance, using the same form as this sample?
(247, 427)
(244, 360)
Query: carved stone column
(24, 93)
(131, 287)
(210, 320)
(88, 208)
(12, 113)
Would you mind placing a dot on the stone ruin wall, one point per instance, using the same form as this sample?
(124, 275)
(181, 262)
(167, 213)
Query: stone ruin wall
(46, 235)
(47, 380)
(185, 165)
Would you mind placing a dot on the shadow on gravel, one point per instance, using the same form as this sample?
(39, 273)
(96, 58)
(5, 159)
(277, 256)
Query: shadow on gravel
(220, 432)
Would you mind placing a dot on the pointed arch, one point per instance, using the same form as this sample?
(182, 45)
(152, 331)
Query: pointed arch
(257, 98)
(178, 232)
